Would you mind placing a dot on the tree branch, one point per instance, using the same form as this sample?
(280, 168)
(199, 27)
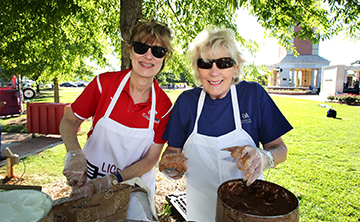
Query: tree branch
(177, 18)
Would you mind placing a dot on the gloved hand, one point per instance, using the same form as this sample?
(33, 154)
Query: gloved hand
(252, 160)
(173, 165)
(92, 187)
(75, 167)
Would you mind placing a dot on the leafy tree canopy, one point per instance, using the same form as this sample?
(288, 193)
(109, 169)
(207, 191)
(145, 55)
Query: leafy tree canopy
(319, 20)
(357, 62)
(54, 38)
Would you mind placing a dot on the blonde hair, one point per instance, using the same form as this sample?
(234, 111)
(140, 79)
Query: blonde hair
(209, 42)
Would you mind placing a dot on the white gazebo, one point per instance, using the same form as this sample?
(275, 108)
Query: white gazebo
(303, 70)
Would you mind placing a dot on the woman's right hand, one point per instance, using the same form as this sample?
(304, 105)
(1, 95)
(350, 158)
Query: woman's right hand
(252, 160)
(75, 167)
(92, 187)
(173, 165)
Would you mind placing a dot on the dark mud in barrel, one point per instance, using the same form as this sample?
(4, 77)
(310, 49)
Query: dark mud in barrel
(261, 200)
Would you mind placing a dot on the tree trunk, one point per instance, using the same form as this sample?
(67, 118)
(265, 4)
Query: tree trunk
(56, 91)
(130, 11)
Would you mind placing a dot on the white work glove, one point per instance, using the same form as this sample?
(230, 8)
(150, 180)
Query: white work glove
(75, 168)
(252, 160)
(92, 187)
(173, 165)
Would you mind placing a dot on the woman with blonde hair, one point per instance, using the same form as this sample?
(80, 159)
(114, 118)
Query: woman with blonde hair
(215, 130)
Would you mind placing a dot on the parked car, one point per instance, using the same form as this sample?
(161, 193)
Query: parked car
(49, 85)
(68, 84)
(82, 84)
(28, 83)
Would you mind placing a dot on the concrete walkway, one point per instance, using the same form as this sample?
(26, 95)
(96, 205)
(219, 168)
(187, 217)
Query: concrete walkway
(307, 97)
(24, 144)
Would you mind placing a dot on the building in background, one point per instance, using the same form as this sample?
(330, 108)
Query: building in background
(303, 70)
(340, 79)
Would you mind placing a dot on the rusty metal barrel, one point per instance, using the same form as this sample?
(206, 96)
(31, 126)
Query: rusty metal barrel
(262, 201)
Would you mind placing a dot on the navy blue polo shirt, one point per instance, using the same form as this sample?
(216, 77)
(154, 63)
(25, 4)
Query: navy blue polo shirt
(260, 117)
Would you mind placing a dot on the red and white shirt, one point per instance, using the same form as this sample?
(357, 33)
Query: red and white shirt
(96, 97)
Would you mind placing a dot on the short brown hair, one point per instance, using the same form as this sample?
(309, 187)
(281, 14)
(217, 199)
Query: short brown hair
(149, 31)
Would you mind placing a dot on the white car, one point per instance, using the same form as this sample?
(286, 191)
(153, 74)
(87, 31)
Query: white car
(28, 83)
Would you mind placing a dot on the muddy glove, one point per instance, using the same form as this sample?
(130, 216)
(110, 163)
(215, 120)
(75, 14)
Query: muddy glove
(93, 186)
(252, 160)
(173, 165)
(75, 167)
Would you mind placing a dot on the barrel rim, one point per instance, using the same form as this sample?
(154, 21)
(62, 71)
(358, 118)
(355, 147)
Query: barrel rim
(35, 191)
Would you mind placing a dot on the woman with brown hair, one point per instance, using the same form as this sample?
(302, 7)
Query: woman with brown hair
(130, 112)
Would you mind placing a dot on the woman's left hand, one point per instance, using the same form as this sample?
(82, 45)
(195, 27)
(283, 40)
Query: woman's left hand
(91, 187)
(252, 160)
(173, 165)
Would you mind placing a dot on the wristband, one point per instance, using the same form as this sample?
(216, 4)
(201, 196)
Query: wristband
(271, 158)
(119, 177)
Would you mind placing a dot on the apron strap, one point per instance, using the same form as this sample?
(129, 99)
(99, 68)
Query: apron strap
(199, 109)
(235, 105)
(153, 105)
(117, 95)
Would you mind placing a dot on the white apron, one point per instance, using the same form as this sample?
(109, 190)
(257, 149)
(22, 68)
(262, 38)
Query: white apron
(114, 146)
(208, 166)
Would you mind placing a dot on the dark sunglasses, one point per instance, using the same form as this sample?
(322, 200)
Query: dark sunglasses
(142, 48)
(221, 63)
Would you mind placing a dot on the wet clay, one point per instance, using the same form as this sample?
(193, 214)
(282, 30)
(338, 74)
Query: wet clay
(261, 198)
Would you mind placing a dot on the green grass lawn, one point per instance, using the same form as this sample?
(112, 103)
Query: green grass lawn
(323, 164)
(322, 167)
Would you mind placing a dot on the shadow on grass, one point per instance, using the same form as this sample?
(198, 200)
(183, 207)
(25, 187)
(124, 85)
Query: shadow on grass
(14, 125)
(336, 118)
(40, 96)
(14, 129)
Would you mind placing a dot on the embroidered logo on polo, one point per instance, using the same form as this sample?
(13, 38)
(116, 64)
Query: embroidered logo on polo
(245, 118)
(147, 116)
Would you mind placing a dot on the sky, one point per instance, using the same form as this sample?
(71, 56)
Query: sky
(337, 50)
